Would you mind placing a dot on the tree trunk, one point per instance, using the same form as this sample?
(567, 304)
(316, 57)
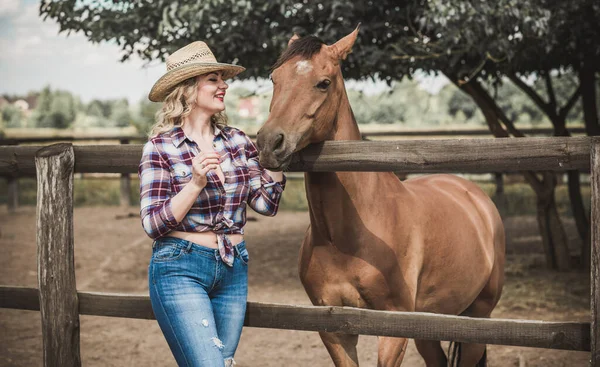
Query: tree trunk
(579, 213)
(553, 233)
(587, 79)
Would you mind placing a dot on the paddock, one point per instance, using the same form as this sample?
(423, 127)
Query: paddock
(416, 156)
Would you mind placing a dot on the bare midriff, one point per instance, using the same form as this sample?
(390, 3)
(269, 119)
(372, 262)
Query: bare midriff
(206, 239)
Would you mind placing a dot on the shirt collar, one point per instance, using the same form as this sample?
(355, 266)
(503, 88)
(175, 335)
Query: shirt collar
(178, 135)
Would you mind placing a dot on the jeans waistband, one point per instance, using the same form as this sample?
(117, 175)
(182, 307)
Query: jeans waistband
(191, 246)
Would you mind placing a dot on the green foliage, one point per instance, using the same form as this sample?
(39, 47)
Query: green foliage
(145, 117)
(56, 109)
(12, 116)
(120, 114)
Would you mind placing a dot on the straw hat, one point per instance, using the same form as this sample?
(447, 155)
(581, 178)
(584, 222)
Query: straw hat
(191, 60)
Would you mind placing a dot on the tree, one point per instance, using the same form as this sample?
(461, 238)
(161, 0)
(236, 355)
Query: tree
(56, 109)
(119, 114)
(12, 116)
(146, 116)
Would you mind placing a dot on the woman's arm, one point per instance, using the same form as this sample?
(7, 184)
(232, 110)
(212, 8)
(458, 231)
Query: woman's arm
(266, 186)
(161, 213)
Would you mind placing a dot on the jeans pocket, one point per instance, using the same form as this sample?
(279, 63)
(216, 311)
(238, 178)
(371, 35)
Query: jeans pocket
(167, 252)
(244, 256)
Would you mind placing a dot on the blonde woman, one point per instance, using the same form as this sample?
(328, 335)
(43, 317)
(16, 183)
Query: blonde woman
(197, 175)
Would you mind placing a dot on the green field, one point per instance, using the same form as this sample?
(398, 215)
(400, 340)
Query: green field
(91, 191)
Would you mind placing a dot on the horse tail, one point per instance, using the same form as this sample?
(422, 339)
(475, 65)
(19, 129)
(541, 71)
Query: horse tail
(454, 350)
(454, 354)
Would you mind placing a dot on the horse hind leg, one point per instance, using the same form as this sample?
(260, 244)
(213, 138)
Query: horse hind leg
(391, 351)
(469, 354)
(432, 353)
(341, 348)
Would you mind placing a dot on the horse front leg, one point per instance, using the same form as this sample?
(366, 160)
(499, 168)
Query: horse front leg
(341, 348)
(391, 351)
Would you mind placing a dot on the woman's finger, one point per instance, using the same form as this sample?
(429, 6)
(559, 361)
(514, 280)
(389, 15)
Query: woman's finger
(209, 167)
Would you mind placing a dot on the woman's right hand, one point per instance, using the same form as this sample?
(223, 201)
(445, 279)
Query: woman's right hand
(201, 165)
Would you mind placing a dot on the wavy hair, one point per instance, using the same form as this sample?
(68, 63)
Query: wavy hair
(178, 105)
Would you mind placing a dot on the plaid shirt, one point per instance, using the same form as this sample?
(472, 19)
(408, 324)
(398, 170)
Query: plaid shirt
(165, 168)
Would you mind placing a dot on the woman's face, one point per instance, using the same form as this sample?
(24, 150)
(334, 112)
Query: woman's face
(211, 93)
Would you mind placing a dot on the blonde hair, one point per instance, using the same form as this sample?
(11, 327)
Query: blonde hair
(178, 104)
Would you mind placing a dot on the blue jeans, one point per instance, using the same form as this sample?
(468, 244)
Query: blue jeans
(199, 302)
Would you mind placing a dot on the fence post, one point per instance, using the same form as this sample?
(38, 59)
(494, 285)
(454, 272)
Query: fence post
(59, 304)
(595, 252)
(13, 193)
(499, 197)
(125, 184)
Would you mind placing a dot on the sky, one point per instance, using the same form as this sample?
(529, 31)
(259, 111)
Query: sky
(33, 55)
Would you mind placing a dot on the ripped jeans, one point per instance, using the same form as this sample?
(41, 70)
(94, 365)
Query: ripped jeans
(199, 302)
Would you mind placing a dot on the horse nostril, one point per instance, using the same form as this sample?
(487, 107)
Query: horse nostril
(278, 144)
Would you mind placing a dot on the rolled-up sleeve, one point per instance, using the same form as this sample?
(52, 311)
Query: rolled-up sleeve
(265, 193)
(155, 201)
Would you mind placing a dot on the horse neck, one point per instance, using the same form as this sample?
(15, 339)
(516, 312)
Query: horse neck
(337, 196)
(346, 126)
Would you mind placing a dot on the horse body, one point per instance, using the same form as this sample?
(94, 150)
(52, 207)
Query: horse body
(378, 243)
(433, 244)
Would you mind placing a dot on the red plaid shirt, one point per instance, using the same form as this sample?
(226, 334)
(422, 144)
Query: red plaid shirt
(165, 168)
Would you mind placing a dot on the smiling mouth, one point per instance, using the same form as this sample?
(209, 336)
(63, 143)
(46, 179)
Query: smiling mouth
(220, 97)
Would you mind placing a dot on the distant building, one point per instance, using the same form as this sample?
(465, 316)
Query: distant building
(248, 107)
(3, 102)
(21, 104)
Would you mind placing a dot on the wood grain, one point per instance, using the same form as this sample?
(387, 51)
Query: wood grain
(56, 266)
(595, 252)
(410, 156)
(529, 333)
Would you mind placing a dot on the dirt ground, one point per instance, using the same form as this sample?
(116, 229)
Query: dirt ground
(112, 254)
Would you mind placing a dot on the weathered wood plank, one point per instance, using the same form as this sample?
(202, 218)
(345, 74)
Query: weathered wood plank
(20, 298)
(56, 265)
(595, 252)
(416, 156)
(125, 197)
(125, 190)
(539, 334)
(13, 193)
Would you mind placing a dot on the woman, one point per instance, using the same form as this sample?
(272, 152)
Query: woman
(196, 177)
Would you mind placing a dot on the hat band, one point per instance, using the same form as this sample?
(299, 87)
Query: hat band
(191, 58)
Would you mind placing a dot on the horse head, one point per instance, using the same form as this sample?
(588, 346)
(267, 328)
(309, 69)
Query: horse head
(307, 90)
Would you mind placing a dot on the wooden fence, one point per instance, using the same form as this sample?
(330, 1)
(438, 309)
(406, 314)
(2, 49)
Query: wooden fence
(125, 181)
(61, 304)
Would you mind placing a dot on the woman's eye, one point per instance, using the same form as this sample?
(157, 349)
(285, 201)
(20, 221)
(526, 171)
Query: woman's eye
(324, 84)
(213, 80)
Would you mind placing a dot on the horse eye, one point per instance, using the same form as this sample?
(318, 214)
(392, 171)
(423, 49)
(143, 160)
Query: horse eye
(324, 84)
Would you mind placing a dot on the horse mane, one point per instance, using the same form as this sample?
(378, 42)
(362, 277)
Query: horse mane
(305, 47)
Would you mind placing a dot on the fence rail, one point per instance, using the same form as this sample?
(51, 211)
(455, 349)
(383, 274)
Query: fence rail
(60, 314)
(410, 156)
(349, 320)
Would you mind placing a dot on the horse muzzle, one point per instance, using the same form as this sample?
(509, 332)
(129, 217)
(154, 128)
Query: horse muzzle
(275, 149)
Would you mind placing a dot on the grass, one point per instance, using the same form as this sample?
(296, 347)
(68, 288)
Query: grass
(92, 191)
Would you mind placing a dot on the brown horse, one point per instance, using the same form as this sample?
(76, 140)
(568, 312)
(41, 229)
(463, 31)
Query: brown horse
(430, 244)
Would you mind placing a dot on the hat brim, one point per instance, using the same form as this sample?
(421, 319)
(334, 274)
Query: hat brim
(165, 83)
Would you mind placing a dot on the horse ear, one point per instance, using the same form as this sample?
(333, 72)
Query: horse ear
(294, 38)
(343, 47)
